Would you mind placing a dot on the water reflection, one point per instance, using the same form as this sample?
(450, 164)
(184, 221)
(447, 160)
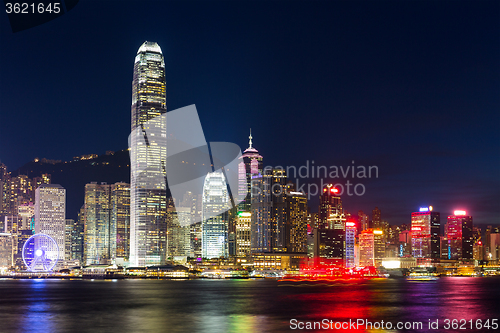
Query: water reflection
(234, 306)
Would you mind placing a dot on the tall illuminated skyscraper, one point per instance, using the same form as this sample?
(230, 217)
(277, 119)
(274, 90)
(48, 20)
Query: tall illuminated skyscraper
(147, 158)
(215, 215)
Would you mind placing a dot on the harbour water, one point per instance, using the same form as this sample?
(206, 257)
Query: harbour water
(52, 305)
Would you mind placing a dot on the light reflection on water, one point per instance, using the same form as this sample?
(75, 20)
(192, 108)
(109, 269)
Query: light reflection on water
(234, 306)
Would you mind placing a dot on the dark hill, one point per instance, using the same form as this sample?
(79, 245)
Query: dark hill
(75, 174)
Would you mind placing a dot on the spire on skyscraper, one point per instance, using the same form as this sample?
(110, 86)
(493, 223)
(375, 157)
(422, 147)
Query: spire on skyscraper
(250, 141)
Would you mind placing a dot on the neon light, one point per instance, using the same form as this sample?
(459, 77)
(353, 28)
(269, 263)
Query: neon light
(350, 224)
(378, 232)
(459, 212)
(244, 214)
(424, 209)
(430, 208)
(334, 190)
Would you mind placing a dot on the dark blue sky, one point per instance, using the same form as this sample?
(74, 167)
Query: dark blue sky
(412, 87)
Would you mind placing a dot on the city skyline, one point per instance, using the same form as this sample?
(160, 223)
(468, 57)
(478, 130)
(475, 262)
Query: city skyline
(419, 106)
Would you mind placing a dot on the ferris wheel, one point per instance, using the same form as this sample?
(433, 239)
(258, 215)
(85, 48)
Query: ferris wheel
(40, 253)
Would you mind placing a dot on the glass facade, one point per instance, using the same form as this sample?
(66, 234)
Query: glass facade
(148, 153)
(215, 206)
(50, 214)
(425, 233)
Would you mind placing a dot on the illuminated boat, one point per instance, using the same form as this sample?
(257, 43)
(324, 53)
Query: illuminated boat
(422, 275)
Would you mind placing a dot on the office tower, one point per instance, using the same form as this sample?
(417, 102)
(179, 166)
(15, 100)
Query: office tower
(178, 235)
(371, 247)
(216, 204)
(459, 234)
(364, 221)
(376, 219)
(7, 244)
(97, 224)
(243, 226)
(425, 232)
(120, 220)
(22, 236)
(50, 214)
(404, 243)
(350, 239)
(331, 226)
(107, 216)
(250, 165)
(296, 220)
(77, 237)
(261, 210)
(68, 233)
(26, 213)
(494, 247)
(147, 158)
(269, 215)
(11, 223)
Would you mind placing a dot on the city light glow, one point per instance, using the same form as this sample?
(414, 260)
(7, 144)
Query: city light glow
(459, 212)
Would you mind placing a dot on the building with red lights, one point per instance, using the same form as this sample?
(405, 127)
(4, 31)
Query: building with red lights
(350, 239)
(331, 227)
(425, 240)
(371, 247)
(460, 237)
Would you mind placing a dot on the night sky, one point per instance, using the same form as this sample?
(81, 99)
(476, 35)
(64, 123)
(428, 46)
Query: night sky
(412, 87)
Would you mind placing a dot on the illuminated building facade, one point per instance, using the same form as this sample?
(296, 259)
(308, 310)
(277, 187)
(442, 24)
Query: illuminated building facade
(120, 220)
(215, 215)
(106, 222)
(269, 213)
(250, 165)
(27, 215)
(350, 239)
(376, 219)
(363, 221)
(425, 232)
(147, 158)
(296, 221)
(371, 247)
(50, 214)
(97, 234)
(178, 236)
(459, 233)
(331, 226)
(243, 226)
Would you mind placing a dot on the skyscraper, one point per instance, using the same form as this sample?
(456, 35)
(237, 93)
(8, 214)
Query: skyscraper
(106, 216)
(97, 224)
(350, 238)
(215, 215)
(376, 219)
(250, 165)
(269, 211)
(50, 214)
(147, 158)
(371, 247)
(331, 226)
(120, 220)
(425, 233)
(459, 235)
(296, 220)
